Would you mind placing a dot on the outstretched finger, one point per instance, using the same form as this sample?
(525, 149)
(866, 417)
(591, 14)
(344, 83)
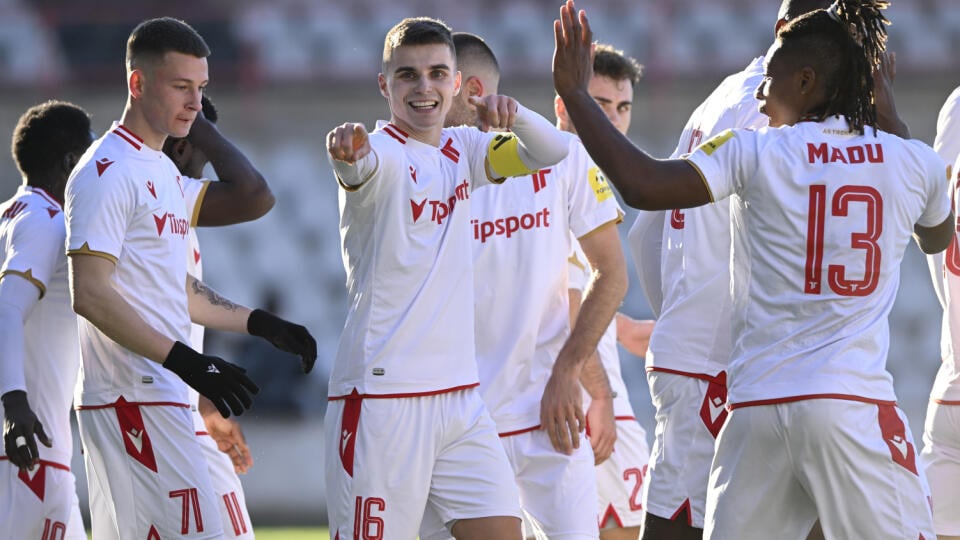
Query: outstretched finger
(220, 405)
(42, 435)
(586, 35)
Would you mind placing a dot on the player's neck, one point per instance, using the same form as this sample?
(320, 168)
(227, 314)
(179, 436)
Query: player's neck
(429, 136)
(134, 120)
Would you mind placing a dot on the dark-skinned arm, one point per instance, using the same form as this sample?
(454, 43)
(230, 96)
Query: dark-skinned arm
(242, 193)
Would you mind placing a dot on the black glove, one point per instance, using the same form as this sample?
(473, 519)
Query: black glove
(285, 336)
(20, 424)
(224, 384)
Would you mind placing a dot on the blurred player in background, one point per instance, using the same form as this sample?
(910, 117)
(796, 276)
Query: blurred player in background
(127, 223)
(406, 428)
(39, 352)
(240, 194)
(619, 478)
(531, 360)
(811, 401)
(941, 434)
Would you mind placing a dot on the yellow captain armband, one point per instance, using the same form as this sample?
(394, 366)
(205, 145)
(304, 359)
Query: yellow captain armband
(503, 156)
(715, 142)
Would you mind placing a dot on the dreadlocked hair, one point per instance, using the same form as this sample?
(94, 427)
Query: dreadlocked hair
(843, 43)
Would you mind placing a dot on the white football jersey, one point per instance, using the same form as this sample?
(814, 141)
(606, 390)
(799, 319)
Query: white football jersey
(946, 271)
(693, 328)
(521, 242)
(125, 202)
(405, 243)
(947, 141)
(32, 237)
(193, 191)
(579, 270)
(822, 218)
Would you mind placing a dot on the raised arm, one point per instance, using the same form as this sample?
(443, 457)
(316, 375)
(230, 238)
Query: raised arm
(242, 193)
(643, 182)
(883, 77)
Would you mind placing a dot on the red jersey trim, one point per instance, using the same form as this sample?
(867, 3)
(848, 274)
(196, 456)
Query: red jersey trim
(201, 433)
(51, 464)
(611, 513)
(132, 404)
(946, 402)
(412, 394)
(397, 133)
(128, 136)
(701, 376)
(519, 431)
(46, 195)
(619, 418)
(791, 399)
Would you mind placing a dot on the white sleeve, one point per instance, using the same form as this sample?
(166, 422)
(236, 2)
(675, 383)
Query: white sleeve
(537, 144)
(352, 177)
(725, 161)
(938, 194)
(17, 298)
(98, 210)
(947, 141)
(194, 190)
(36, 246)
(590, 200)
(646, 245)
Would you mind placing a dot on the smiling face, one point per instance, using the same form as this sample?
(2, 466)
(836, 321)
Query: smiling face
(169, 94)
(419, 82)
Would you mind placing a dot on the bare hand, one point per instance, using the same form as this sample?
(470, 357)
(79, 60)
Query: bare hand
(573, 55)
(561, 411)
(348, 142)
(603, 428)
(634, 335)
(229, 437)
(883, 77)
(495, 112)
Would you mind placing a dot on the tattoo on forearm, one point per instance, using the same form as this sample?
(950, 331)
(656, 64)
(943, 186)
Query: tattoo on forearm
(215, 299)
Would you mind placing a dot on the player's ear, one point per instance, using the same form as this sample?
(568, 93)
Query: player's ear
(135, 83)
(179, 149)
(560, 109)
(69, 161)
(806, 80)
(456, 83)
(382, 82)
(473, 87)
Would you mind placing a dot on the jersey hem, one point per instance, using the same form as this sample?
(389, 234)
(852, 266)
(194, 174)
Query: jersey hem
(403, 394)
(132, 404)
(519, 431)
(48, 463)
(701, 376)
(702, 179)
(791, 399)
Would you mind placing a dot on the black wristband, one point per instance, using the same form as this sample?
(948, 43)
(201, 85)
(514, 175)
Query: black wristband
(259, 322)
(178, 355)
(14, 398)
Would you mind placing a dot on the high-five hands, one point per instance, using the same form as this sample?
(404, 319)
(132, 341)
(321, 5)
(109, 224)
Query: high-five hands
(348, 142)
(573, 55)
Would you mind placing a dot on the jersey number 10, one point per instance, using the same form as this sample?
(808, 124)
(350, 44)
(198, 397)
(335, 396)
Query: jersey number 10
(866, 240)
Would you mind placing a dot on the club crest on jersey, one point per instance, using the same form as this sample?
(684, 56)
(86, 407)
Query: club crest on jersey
(151, 188)
(598, 182)
(172, 224)
(540, 179)
(440, 210)
(102, 165)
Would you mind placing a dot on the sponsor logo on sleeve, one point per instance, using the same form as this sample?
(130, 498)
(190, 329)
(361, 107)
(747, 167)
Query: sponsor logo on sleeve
(717, 141)
(598, 182)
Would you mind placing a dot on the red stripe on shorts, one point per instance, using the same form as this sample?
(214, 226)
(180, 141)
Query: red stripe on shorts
(348, 430)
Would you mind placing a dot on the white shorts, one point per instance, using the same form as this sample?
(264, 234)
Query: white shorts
(146, 474)
(40, 504)
(226, 485)
(940, 460)
(620, 478)
(389, 459)
(689, 413)
(554, 489)
(850, 463)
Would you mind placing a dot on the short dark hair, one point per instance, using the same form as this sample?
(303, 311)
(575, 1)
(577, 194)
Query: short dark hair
(153, 38)
(843, 44)
(473, 51)
(46, 133)
(791, 9)
(614, 64)
(417, 31)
